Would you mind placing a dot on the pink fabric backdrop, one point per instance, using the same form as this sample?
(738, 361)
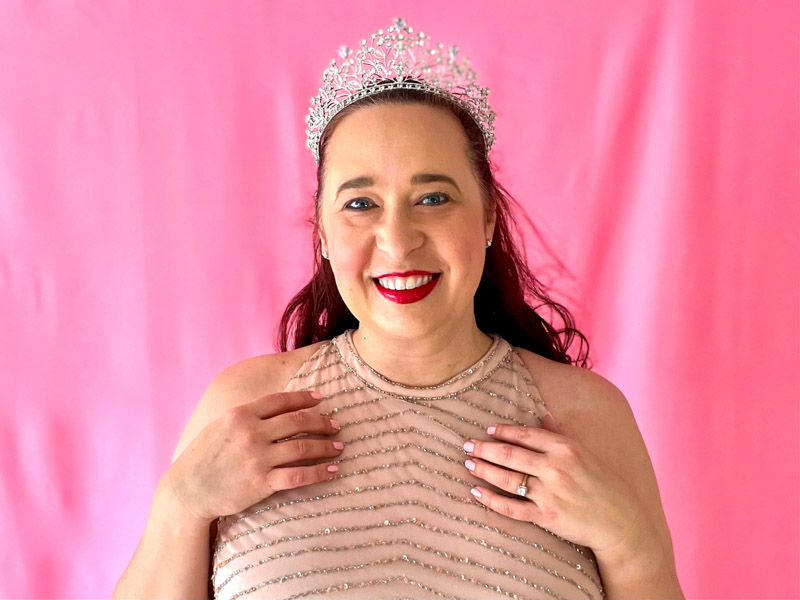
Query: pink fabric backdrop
(154, 183)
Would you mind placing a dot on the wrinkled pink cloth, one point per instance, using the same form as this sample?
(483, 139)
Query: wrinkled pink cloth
(398, 520)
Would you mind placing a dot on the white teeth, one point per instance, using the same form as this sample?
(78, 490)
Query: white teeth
(405, 283)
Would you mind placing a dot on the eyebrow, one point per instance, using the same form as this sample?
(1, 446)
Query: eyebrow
(364, 181)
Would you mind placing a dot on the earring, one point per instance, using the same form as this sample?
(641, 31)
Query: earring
(324, 254)
(489, 243)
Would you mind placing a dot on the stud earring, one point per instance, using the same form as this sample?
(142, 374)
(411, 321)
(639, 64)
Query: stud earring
(324, 254)
(489, 243)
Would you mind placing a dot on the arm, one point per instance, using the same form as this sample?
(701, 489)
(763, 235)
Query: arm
(648, 573)
(172, 559)
(591, 409)
(643, 566)
(173, 556)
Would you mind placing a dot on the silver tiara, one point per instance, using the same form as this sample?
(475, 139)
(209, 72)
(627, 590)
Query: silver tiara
(398, 59)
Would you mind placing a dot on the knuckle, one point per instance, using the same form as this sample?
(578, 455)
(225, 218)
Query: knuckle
(520, 433)
(549, 513)
(506, 481)
(561, 478)
(506, 453)
(246, 436)
(286, 478)
(298, 418)
(302, 447)
(549, 471)
(235, 415)
(296, 477)
(281, 398)
(568, 449)
(260, 478)
(504, 506)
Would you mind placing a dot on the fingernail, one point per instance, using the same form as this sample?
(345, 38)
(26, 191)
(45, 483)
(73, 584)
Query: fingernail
(316, 395)
(470, 465)
(335, 424)
(475, 492)
(333, 468)
(491, 430)
(338, 445)
(469, 446)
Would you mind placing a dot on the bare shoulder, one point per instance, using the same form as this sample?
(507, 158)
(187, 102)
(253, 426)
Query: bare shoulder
(574, 395)
(592, 410)
(257, 376)
(243, 382)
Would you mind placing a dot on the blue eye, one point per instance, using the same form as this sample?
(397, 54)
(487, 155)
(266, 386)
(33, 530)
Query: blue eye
(444, 198)
(349, 204)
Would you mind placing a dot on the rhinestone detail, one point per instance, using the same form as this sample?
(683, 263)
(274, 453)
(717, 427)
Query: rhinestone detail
(384, 438)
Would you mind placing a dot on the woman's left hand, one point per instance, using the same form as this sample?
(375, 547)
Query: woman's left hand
(571, 491)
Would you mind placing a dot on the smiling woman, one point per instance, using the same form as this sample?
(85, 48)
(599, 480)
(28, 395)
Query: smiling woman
(419, 333)
(411, 302)
(404, 185)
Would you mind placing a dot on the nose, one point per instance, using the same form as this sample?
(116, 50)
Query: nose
(397, 235)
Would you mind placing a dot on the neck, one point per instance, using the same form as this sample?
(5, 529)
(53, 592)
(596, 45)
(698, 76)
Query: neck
(424, 361)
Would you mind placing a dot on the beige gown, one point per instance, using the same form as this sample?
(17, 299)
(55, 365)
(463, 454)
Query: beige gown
(398, 520)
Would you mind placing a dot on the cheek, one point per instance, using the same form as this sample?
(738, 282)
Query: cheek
(351, 261)
(467, 252)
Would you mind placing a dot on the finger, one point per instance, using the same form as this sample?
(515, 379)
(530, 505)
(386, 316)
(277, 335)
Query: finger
(532, 438)
(510, 456)
(521, 510)
(302, 449)
(299, 421)
(286, 478)
(271, 405)
(504, 479)
(550, 423)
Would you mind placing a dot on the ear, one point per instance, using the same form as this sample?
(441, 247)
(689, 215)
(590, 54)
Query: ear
(491, 220)
(322, 239)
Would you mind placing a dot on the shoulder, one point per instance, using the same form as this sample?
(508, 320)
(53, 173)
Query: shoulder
(574, 395)
(592, 410)
(243, 382)
(259, 375)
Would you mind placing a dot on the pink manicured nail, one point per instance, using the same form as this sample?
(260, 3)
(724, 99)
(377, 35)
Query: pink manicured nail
(335, 424)
(475, 492)
(469, 446)
(470, 465)
(333, 468)
(338, 445)
(491, 430)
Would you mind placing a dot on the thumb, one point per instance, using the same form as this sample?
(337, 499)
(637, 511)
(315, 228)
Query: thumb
(549, 423)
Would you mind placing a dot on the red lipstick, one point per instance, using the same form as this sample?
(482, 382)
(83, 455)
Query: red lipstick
(405, 274)
(408, 296)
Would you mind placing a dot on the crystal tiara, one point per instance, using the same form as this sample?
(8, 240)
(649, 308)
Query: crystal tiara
(398, 59)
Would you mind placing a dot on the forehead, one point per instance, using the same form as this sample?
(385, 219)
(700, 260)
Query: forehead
(389, 142)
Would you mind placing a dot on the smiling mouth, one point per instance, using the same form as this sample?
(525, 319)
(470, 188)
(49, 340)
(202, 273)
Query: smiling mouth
(408, 296)
(434, 277)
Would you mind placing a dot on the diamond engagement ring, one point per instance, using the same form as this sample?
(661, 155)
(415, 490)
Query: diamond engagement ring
(522, 490)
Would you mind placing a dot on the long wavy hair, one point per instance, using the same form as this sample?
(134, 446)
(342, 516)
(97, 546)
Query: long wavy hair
(508, 296)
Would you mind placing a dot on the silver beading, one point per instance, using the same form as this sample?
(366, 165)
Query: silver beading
(398, 59)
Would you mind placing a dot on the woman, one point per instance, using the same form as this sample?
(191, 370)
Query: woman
(468, 457)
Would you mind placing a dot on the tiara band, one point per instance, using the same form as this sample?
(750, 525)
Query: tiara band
(398, 59)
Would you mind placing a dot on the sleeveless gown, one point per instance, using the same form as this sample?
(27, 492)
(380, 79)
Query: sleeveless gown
(398, 520)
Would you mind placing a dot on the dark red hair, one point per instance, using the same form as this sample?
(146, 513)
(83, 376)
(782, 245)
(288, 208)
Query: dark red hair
(508, 295)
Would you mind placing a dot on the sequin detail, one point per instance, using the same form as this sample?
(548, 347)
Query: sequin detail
(411, 520)
(398, 520)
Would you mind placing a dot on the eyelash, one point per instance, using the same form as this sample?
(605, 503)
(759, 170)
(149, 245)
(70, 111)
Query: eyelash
(442, 194)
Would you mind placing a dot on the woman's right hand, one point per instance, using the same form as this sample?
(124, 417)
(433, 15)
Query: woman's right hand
(236, 461)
